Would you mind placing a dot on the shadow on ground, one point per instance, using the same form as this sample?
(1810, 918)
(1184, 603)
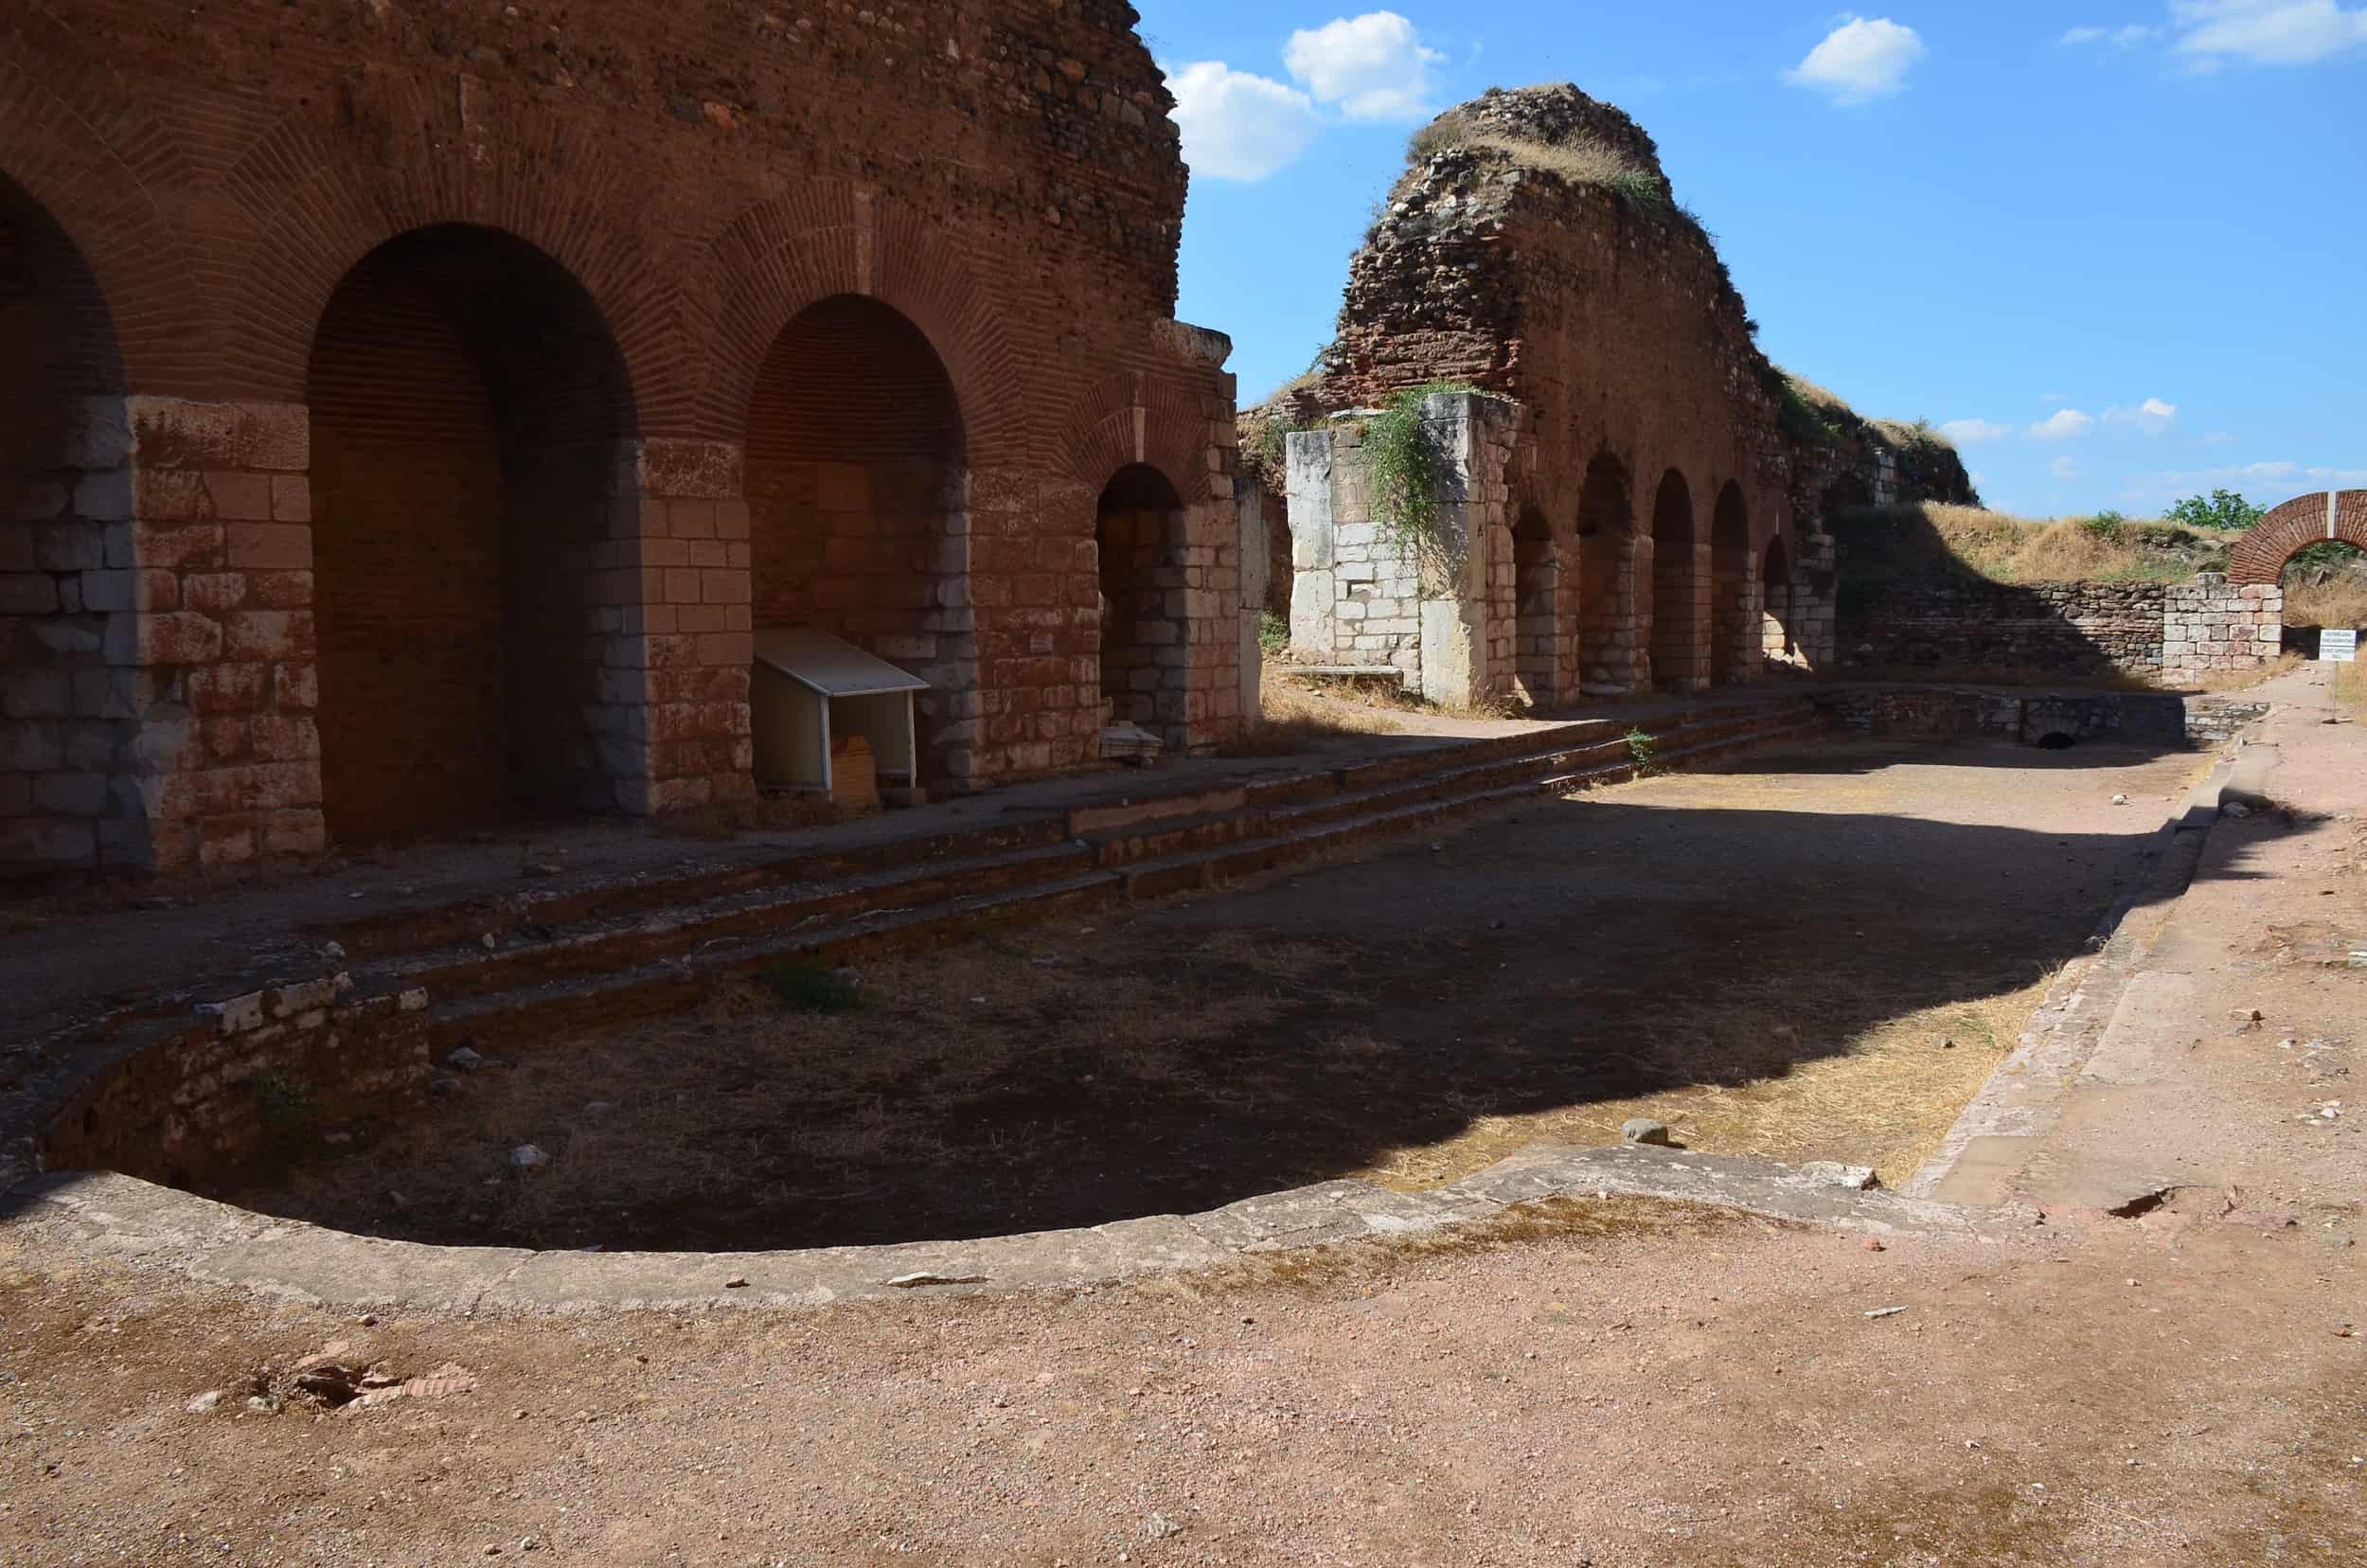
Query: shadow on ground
(1734, 934)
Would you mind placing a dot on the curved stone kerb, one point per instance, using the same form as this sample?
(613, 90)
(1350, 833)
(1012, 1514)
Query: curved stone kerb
(2260, 555)
(212, 1244)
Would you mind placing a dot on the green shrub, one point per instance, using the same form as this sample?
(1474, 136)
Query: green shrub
(282, 1099)
(1274, 633)
(1405, 466)
(1640, 747)
(810, 988)
(2106, 524)
(2221, 508)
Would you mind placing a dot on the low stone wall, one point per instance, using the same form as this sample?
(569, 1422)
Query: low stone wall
(2151, 631)
(2136, 718)
(215, 1090)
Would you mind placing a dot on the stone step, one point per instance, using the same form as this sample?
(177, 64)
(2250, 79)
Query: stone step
(1234, 832)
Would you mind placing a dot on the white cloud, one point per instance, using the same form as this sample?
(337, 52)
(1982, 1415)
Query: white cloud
(1859, 61)
(1967, 431)
(1369, 67)
(2120, 38)
(2153, 416)
(2266, 32)
(2051, 399)
(2064, 467)
(2271, 478)
(1238, 126)
(2062, 425)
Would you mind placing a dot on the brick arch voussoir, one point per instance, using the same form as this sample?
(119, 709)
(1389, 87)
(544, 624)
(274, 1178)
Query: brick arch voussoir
(317, 204)
(1100, 435)
(89, 157)
(2260, 555)
(823, 238)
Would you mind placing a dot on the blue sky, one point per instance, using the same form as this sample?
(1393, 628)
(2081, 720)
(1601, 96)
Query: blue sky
(2119, 248)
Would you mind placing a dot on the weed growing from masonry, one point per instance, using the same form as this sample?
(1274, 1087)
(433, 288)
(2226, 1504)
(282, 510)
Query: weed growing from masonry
(1640, 747)
(1404, 463)
(283, 1100)
(1274, 633)
(810, 987)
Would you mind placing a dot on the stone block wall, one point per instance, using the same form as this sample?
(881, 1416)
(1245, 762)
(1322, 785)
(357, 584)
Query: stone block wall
(2148, 631)
(1506, 606)
(518, 386)
(1444, 616)
(2212, 624)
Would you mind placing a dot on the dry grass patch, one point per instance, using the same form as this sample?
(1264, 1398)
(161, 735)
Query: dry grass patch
(1926, 541)
(2340, 601)
(1296, 717)
(1883, 1096)
(2350, 687)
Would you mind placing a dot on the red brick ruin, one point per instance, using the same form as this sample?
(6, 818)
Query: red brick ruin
(1653, 465)
(413, 412)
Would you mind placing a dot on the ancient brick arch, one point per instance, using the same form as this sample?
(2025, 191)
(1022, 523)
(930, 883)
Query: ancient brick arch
(1144, 653)
(86, 160)
(856, 475)
(825, 237)
(1611, 650)
(1680, 629)
(316, 204)
(1734, 589)
(2260, 555)
(1135, 416)
(465, 402)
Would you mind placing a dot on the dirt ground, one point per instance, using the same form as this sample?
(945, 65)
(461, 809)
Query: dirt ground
(1603, 1383)
(1819, 957)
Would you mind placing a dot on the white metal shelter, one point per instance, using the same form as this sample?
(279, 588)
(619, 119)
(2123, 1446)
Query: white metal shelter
(807, 686)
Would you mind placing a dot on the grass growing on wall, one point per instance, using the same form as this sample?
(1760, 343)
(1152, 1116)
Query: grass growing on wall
(1406, 469)
(1931, 542)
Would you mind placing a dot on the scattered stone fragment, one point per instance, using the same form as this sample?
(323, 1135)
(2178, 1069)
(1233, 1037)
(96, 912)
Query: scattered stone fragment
(1159, 1526)
(1870, 1244)
(2235, 809)
(2120, 800)
(526, 1156)
(1641, 1129)
(1885, 1312)
(491, 941)
(464, 1059)
(1833, 1173)
(915, 1281)
(203, 1403)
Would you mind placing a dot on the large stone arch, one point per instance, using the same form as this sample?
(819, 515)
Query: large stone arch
(466, 407)
(820, 239)
(319, 200)
(2259, 557)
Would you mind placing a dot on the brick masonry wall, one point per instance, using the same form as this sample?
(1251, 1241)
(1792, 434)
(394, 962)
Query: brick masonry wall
(1003, 176)
(1615, 328)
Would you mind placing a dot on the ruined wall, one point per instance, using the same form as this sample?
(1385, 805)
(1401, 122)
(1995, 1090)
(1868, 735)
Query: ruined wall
(192, 211)
(2148, 631)
(1443, 616)
(1600, 309)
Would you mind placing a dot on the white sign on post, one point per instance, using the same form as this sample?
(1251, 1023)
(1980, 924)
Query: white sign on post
(2338, 646)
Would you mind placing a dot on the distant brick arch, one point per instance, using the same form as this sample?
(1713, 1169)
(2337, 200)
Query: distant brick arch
(318, 204)
(2261, 554)
(820, 238)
